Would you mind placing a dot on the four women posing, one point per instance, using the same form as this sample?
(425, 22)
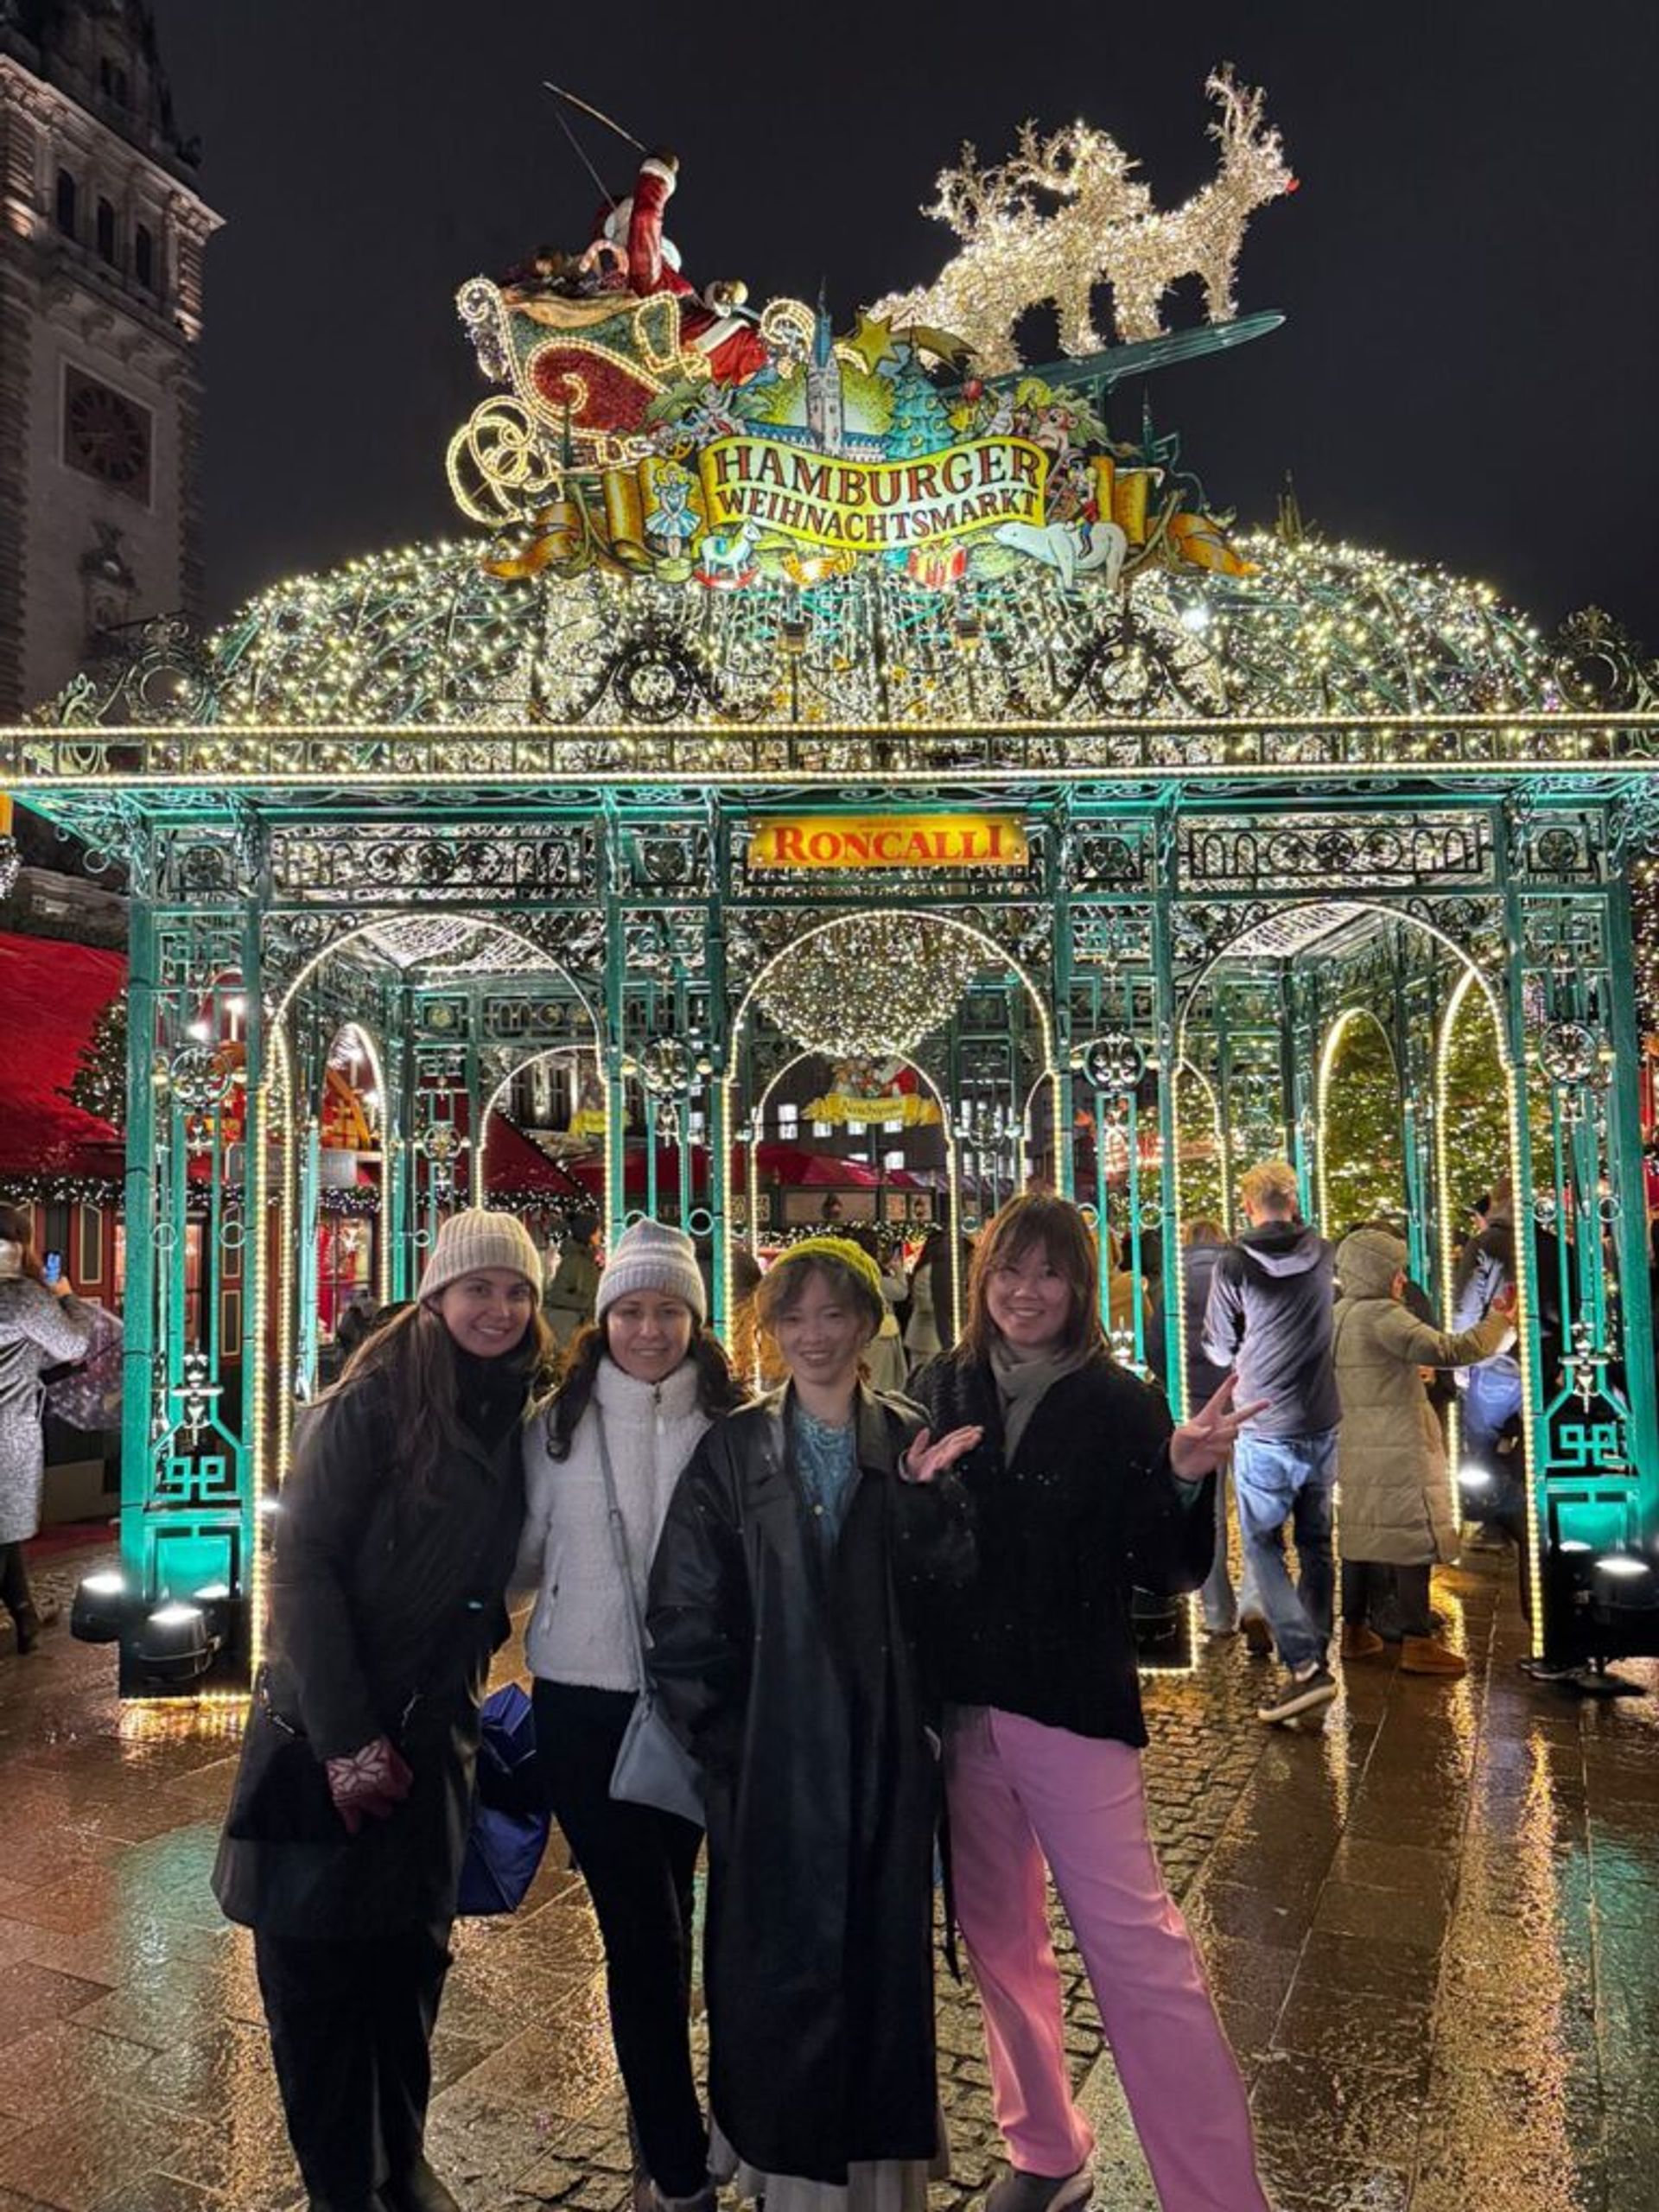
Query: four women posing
(848, 1602)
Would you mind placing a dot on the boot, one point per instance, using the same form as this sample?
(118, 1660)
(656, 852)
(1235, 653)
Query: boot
(418, 2190)
(1427, 1655)
(16, 1595)
(1359, 1641)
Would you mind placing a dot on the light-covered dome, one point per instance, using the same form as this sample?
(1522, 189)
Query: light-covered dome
(426, 635)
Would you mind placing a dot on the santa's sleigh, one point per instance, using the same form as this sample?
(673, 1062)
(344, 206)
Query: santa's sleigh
(582, 374)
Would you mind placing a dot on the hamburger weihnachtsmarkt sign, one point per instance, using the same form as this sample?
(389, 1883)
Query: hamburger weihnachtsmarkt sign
(654, 429)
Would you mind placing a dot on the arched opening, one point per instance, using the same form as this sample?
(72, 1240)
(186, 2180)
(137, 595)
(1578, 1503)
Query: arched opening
(929, 1056)
(389, 1055)
(1362, 1045)
(1361, 1150)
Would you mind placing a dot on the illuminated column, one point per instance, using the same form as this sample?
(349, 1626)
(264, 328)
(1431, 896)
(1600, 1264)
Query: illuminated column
(1627, 1187)
(1169, 1183)
(1063, 1087)
(139, 1345)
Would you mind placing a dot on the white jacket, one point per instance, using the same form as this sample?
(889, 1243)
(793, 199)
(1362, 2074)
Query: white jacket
(581, 1631)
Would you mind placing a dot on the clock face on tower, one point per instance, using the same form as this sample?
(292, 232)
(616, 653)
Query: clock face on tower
(106, 435)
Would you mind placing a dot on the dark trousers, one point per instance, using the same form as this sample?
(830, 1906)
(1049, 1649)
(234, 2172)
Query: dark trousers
(638, 1865)
(15, 1592)
(1394, 1600)
(351, 2035)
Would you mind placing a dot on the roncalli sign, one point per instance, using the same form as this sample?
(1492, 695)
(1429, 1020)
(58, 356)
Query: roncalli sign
(889, 840)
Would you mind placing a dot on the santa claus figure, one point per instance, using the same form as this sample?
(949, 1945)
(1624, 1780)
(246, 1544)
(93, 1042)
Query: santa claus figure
(633, 238)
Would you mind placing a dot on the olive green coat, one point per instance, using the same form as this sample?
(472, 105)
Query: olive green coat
(1395, 1498)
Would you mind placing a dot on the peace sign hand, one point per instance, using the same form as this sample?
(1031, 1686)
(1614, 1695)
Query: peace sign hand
(1199, 1446)
(928, 1458)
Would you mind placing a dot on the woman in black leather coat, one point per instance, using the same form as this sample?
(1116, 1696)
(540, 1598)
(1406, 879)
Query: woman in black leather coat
(802, 1550)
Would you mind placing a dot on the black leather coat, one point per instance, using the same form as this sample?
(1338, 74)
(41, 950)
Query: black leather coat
(796, 1683)
(1086, 1510)
(377, 1599)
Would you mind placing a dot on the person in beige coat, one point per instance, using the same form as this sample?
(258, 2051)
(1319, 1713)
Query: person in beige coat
(1396, 1519)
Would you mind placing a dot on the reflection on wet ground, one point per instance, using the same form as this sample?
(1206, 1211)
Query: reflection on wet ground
(1430, 1924)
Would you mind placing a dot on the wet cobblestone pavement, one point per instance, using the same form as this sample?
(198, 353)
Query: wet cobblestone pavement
(1433, 1925)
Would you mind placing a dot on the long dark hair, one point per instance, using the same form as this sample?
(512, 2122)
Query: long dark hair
(1069, 1244)
(720, 1388)
(412, 1357)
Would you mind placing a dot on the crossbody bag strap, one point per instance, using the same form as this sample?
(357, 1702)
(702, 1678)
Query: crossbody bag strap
(620, 1544)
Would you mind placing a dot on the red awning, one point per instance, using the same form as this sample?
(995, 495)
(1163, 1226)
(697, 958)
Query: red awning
(792, 1165)
(513, 1161)
(51, 995)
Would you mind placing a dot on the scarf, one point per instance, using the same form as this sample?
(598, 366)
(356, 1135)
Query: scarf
(490, 1393)
(1021, 1385)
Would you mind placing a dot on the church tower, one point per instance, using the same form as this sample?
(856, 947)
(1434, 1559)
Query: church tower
(101, 239)
(826, 419)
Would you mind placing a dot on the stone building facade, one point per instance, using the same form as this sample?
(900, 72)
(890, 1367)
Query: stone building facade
(102, 233)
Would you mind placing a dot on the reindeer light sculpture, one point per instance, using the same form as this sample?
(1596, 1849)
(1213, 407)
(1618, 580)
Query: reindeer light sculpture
(1020, 251)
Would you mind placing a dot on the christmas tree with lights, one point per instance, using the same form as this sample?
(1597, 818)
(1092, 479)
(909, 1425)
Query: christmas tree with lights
(98, 1084)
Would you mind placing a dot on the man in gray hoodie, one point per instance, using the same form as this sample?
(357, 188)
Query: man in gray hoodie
(1272, 1301)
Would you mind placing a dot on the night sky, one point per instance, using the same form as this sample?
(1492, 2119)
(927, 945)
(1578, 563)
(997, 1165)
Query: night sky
(1470, 269)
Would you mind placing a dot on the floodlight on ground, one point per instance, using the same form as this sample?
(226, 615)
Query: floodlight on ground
(102, 1607)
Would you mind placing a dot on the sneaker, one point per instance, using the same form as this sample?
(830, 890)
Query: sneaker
(1300, 1694)
(1258, 1637)
(1018, 2192)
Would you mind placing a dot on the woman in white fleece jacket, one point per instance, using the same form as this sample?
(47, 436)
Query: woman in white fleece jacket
(649, 1378)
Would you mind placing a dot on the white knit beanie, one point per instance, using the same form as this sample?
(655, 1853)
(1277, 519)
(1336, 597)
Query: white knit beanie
(470, 1242)
(651, 1256)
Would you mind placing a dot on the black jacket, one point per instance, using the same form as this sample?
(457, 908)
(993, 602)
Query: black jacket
(377, 1599)
(1087, 1509)
(796, 1683)
(1204, 1377)
(1272, 1305)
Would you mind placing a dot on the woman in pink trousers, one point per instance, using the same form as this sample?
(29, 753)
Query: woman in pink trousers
(1081, 1491)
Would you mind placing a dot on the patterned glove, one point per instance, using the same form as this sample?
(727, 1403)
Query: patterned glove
(371, 1783)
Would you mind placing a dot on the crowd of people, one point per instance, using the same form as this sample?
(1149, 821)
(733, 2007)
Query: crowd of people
(878, 1582)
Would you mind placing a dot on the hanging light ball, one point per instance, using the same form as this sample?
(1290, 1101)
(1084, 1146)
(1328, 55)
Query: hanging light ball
(874, 983)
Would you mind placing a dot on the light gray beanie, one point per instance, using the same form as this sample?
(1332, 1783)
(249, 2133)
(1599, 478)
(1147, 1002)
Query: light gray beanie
(476, 1239)
(652, 1257)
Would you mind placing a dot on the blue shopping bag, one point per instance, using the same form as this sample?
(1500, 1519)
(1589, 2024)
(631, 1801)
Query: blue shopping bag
(509, 1822)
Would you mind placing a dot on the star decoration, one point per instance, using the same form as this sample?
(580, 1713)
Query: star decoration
(872, 341)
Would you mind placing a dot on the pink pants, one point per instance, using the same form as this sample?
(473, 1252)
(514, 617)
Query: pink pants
(1021, 1793)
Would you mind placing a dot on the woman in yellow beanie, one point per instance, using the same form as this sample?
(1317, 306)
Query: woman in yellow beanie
(800, 1552)
(342, 1850)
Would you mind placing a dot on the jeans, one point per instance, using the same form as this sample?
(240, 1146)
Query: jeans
(1220, 1606)
(1280, 1478)
(1490, 1401)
